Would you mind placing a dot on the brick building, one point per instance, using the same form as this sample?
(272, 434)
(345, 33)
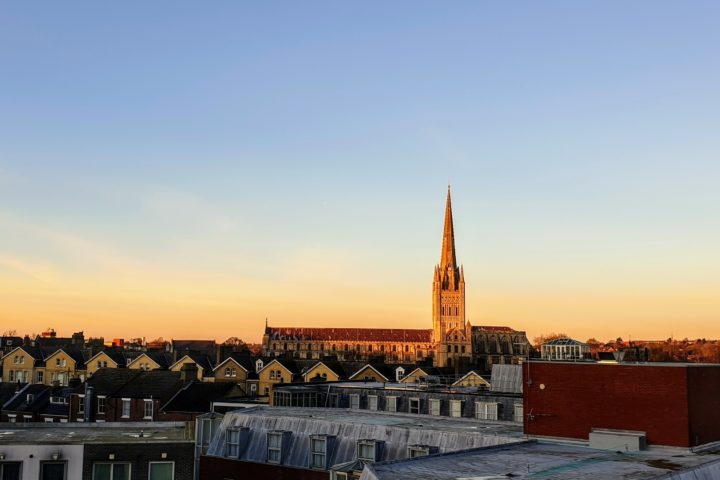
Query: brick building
(673, 404)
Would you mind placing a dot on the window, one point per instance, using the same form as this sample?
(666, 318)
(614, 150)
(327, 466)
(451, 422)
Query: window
(253, 389)
(230, 372)
(272, 374)
(318, 451)
(111, 471)
(53, 470)
(414, 405)
(125, 408)
(162, 470)
(372, 402)
(259, 365)
(57, 362)
(10, 471)
(148, 409)
(232, 442)
(399, 373)
(486, 410)
(274, 447)
(81, 404)
(420, 450)
(12, 375)
(518, 413)
(456, 408)
(40, 376)
(367, 450)
(355, 401)
(391, 405)
(434, 406)
(101, 405)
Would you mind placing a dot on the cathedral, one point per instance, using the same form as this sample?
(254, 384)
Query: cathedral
(451, 343)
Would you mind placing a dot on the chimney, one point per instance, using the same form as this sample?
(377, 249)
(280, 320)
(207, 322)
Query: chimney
(188, 372)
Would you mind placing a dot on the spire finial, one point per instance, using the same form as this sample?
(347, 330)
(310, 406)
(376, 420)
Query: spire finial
(448, 247)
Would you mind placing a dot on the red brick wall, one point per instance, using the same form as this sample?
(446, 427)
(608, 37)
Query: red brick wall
(216, 468)
(704, 392)
(579, 397)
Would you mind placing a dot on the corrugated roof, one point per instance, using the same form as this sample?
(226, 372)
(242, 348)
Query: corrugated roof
(506, 378)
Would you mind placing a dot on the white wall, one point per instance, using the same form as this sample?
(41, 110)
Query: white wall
(72, 454)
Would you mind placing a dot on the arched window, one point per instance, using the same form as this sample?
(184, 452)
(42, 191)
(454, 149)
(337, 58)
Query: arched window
(284, 346)
(407, 348)
(456, 349)
(462, 349)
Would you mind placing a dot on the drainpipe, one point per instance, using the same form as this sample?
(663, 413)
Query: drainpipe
(88, 403)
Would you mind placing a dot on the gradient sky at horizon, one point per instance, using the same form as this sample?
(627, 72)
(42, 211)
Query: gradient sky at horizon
(181, 169)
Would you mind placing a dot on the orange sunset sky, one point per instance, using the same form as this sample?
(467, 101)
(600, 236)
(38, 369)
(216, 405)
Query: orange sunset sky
(187, 172)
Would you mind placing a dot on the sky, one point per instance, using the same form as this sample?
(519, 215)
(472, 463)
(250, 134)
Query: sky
(189, 169)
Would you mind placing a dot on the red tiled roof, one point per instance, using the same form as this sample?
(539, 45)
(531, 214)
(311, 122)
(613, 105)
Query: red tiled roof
(352, 334)
(495, 329)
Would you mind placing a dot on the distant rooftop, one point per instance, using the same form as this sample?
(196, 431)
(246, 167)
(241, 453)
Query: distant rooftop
(535, 459)
(81, 433)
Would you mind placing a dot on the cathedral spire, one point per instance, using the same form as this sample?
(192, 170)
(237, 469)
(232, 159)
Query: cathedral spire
(448, 245)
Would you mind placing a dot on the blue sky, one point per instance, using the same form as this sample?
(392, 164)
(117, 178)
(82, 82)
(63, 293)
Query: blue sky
(152, 152)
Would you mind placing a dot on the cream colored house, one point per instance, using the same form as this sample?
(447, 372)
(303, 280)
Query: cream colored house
(143, 362)
(61, 367)
(471, 379)
(321, 372)
(21, 365)
(272, 373)
(368, 373)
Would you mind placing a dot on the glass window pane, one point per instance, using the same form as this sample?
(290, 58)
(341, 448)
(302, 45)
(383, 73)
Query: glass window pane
(161, 471)
(121, 471)
(53, 471)
(102, 471)
(10, 471)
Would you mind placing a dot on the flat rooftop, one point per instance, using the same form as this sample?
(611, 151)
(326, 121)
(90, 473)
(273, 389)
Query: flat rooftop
(541, 459)
(81, 433)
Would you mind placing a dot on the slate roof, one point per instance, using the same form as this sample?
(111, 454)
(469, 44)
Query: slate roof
(185, 346)
(399, 335)
(8, 390)
(158, 384)
(19, 403)
(107, 381)
(116, 354)
(197, 397)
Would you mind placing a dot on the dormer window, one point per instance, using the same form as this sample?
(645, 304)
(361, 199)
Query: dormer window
(399, 373)
(258, 365)
(320, 451)
(420, 450)
(368, 450)
(235, 440)
(276, 441)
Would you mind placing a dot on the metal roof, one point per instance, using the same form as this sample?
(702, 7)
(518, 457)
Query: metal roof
(547, 460)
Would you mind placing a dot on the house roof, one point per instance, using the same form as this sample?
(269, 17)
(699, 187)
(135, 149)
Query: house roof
(193, 345)
(107, 381)
(19, 401)
(163, 359)
(203, 361)
(198, 396)
(351, 334)
(117, 355)
(73, 353)
(470, 373)
(159, 384)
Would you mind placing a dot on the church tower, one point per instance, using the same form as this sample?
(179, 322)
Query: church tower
(451, 333)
